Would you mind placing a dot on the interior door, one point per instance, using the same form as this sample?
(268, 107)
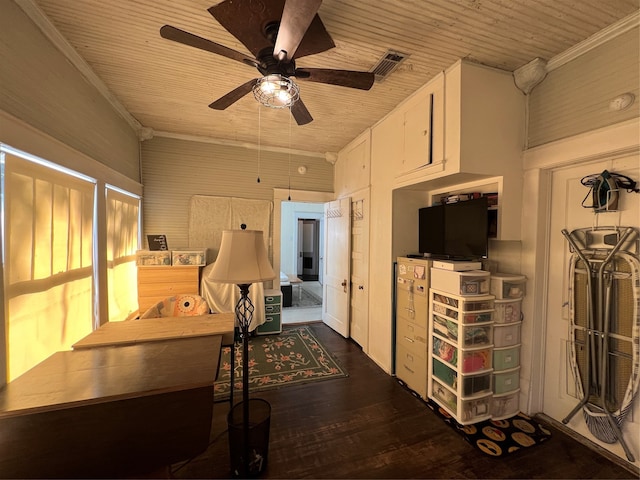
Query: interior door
(300, 237)
(560, 395)
(359, 312)
(336, 289)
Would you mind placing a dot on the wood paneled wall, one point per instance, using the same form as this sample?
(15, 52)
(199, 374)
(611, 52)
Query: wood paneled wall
(575, 98)
(40, 87)
(174, 170)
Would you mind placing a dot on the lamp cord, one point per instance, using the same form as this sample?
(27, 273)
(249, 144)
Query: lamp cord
(291, 115)
(259, 130)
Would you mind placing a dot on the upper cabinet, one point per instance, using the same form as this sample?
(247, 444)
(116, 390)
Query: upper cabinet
(352, 170)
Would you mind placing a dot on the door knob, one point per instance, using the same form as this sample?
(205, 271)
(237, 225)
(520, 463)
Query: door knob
(344, 285)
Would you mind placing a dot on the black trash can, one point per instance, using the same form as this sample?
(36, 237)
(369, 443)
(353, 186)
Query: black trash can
(259, 424)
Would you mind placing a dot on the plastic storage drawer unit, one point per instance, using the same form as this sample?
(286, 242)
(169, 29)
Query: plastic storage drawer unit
(465, 410)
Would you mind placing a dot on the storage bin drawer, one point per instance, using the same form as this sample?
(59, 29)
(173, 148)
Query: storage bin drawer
(505, 406)
(466, 410)
(506, 357)
(473, 282)
(272, 324)
(466, 336)
(147, 258)
(463, 304)
(506, 335)
(272, 299)
(477, 317)
(189, 257)
(412, 336)
(412, 370)
(471, 384)
(508, 311)
(506, 381)
(269, 309)
(476, 360)
(505, 285)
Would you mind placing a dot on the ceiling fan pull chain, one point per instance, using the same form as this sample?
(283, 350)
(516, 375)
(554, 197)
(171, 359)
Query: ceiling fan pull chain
(259, 130)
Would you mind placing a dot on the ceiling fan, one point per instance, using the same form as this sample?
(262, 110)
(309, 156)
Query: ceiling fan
(276, 32)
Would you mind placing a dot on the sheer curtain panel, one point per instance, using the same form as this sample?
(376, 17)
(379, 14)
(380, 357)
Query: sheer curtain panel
(123, 215)
(48, 253)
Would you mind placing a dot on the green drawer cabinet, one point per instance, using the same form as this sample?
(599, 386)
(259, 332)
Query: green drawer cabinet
(272, 313)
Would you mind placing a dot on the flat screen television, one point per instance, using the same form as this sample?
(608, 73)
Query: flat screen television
(454, 230)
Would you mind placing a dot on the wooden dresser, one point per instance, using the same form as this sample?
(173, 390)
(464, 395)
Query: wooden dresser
(157, 283)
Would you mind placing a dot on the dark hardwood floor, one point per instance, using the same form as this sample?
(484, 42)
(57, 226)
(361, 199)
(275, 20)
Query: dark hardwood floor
(369, 426)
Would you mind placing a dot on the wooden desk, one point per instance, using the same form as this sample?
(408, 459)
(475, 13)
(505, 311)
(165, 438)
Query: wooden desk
(110, 411)
(156, 329)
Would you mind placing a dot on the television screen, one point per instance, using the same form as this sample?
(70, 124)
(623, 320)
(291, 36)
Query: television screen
(454, 230)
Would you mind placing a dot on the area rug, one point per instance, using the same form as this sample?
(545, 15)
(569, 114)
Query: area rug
(305, 299)
(498, 437)
(292, 357)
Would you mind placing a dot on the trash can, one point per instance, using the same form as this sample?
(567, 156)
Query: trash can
(259, 423)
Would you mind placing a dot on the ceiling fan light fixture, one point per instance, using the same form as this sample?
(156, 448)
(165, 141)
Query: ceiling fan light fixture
(276, 91)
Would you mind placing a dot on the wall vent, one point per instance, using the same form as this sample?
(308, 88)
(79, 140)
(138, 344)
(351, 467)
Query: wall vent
(387, 64)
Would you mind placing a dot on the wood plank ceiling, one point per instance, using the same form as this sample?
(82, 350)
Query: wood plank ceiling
(167, 86)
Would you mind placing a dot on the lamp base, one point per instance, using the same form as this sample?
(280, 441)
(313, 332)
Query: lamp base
(257, 448)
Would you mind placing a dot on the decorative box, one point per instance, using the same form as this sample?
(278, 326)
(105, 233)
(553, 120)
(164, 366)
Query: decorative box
(189, 257)
(155, 258)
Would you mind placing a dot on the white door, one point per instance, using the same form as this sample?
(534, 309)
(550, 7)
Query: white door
(567, 194)
(336, 288)
(359, 313)
(300, 233)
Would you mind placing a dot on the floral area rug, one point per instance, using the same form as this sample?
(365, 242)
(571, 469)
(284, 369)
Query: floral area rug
(498, 437)
(292, 357)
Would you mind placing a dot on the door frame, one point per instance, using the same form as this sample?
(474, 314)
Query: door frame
(282, 195)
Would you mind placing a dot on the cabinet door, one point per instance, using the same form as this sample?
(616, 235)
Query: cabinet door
(418, 121)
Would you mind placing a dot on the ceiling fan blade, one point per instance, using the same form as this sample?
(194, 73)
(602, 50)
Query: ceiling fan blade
(246, 20)
(343, 78)
(296, 18)
(233, 96)
(300, 113)
(186, 38)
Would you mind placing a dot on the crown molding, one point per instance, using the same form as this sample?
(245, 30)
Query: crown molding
(233, 143)
(606, 34)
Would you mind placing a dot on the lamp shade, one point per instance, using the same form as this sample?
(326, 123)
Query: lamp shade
(242, 258)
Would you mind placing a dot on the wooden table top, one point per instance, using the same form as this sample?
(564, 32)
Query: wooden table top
(294, 279)
(156, 329)
(96, 375)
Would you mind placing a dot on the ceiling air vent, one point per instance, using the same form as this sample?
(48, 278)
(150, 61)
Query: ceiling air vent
(387, 64)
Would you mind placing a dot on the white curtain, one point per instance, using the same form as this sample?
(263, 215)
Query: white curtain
(123, 213)
(48, 261)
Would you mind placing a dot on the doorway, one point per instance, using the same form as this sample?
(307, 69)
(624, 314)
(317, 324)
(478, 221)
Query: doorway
(301, 260)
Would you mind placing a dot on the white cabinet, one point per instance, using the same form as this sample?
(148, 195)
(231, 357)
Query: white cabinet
(353, 167)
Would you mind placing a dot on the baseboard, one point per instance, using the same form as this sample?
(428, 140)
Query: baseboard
(588, 443)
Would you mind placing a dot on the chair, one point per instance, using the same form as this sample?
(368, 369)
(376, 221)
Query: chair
(178, 306)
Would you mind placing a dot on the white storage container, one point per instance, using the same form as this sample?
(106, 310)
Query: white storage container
(473, 282)
(506, 334)
(467, 361)
(507, 285)
(506, 380)
(189, 257)
(506, 357)
(466, 336)
(508, 311)
(505, 405)
(153, 258)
